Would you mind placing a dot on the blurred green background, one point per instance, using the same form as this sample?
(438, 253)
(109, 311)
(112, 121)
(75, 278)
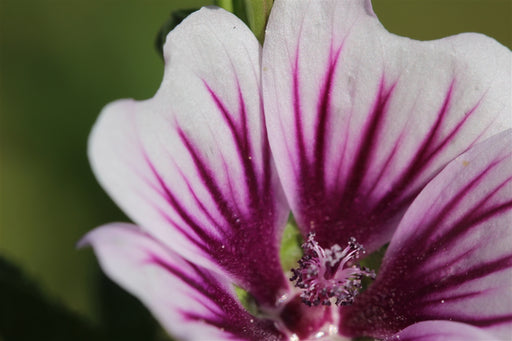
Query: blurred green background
(61, 61)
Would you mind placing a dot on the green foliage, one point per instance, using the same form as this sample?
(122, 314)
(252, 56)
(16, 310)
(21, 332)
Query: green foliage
(253, 12)
(257, 14)
(247, 300)
(237, 7)
(291, 242)
(25, 314)
(374, 260)
(240, 10)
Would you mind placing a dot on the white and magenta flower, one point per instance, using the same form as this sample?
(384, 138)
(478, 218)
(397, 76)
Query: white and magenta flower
(367, 138)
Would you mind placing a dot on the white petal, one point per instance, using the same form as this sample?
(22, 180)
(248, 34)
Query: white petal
(441, 331)
(192, 303)
(192, 165)
(360, 120)
(451, 256)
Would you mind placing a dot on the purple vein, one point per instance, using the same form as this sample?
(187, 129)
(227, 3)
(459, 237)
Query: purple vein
(243, 117)
(183, 231)
(209, 182)
(487, 322)
(452, 134)
(384, 168)
(266, 158)
(203, 208)
(418, 245)
(229, 315)
(368, 144)
(443, 265)
(241, 142)
(482, 270)
(173, 202)
(208, 287)
(299, 133)
(473, 217)
(421, 158)
(435, 301)
(164, 192)
(432, 227)
(323, 114)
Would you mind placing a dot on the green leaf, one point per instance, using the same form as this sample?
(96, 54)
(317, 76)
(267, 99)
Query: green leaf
(237, 7)
(291, 242)
(253, 12)
(174, 20)
(257, 14)
(228, 5)
(247, 300)
(240, 10)
(374, 260)
(26, 314)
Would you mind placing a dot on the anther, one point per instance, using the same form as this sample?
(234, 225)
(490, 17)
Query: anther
(330, 274)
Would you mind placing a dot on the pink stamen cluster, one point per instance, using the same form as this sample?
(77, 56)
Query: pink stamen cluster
(329, 273)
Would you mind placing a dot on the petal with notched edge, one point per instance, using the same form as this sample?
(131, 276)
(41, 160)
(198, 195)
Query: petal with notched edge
(451, 257)
(360, 120)
(190, 301)
(192, 165)
(441, 331)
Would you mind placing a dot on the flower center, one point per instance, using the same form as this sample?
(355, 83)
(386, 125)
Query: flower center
(329, 274)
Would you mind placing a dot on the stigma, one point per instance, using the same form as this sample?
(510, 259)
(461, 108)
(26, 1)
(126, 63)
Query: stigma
(331, 275)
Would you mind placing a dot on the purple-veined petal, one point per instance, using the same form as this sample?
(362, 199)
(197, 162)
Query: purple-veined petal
(451, 256)
(191, 302)
(360, 120)
(441, 331)
(192, 165)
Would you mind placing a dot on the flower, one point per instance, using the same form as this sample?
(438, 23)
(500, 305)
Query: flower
(350, 128)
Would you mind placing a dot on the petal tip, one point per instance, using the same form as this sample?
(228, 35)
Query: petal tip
(369, 8)
(82, 243)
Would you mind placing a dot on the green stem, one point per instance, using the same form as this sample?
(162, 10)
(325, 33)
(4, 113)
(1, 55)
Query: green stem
(257, 14)
(226, 4)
